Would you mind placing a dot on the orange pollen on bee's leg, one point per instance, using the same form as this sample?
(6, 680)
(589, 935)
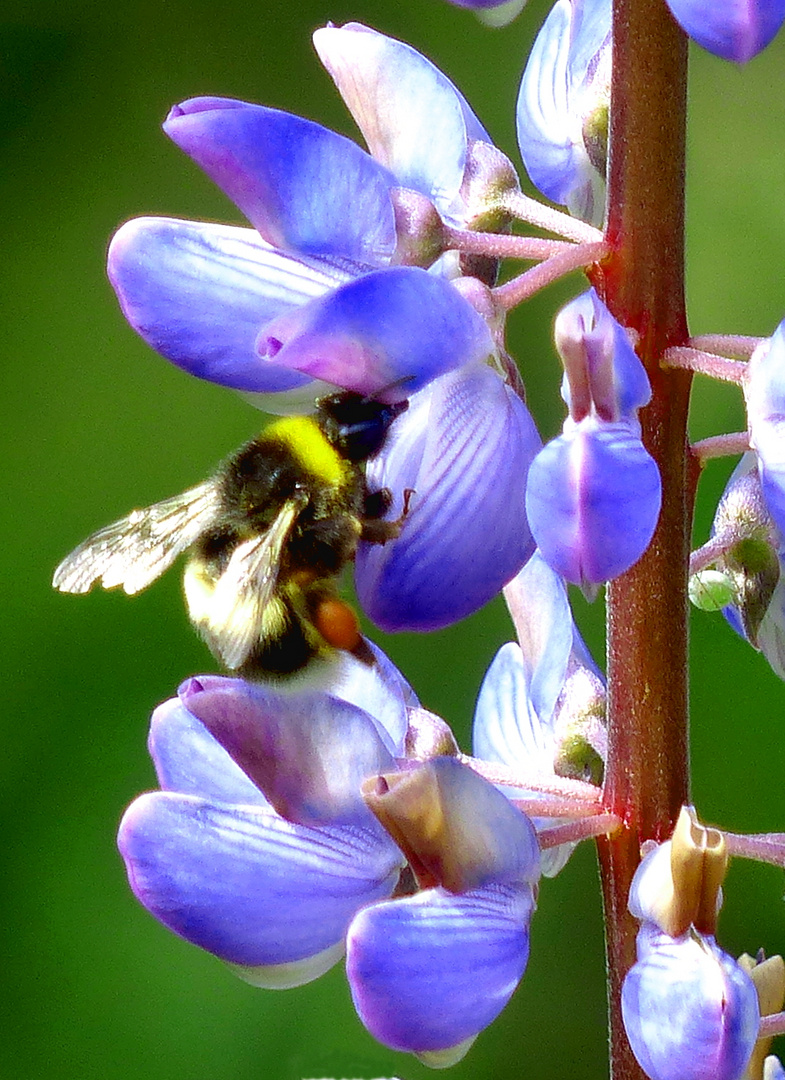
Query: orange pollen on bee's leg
(337, 623)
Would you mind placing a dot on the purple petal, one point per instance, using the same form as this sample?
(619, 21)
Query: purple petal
(431, 971)
(463, 448)
(508, 729)
(733, 29)
(603, 371)
(593, 499)
(571, 49)
(380, 690)
(537, 599)
(399, 99)
(309, 753)
(198, 293)
(764, 390)
(246, 885)
(386, 334)
(189, 761)
(689, 1010)
(306, 189)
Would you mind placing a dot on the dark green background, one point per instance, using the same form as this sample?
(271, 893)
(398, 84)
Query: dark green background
(94, 423)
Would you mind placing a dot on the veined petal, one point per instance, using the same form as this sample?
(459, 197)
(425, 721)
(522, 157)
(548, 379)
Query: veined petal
(690, 1011)
(593, 499)
(306, 189)
(432, 970)
(553, 100)
(198, 293)
(399, 99)
(733, 29)
(386, 334)
(309, 752)
(244, 883)
(463, 448)
(507, 728)
(189, 761)
(540, 609)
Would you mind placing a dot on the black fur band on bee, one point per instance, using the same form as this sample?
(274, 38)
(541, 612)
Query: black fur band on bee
(266, 537)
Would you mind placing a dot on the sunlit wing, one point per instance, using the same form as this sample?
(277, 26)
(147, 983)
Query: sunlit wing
(137, 549)
(245, 589)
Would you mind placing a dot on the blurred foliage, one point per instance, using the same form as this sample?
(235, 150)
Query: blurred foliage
(95, 423)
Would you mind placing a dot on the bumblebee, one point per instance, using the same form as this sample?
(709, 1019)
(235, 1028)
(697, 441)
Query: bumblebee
(267, 537)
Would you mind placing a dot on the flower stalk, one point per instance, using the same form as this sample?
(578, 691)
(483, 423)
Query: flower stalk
(642, 282)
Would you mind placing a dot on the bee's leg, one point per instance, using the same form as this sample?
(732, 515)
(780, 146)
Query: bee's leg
(376, 531)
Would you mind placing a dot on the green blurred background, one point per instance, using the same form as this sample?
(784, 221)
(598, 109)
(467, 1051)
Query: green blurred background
(94, 424)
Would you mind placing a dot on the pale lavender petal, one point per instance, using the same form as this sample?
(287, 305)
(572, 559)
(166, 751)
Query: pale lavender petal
(199, 293)
(689, 1010)
(507, 728)
(399, 99)
(430, 971)
(463, 448)
(309, 752)
(764, 390)
(593, 500)
(572, 45)
(538, 603)
(306, 189)
(380, 690)
(189, 761)
(386, 334)
(733, 29)
(246, 885)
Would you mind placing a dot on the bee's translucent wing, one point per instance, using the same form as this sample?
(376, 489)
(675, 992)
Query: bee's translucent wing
(245, 589)
(137, 549)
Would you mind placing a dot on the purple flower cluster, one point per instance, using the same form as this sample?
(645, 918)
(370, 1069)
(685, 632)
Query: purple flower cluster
(293, 826)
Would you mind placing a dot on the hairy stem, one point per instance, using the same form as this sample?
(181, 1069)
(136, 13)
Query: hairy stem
(642, 281)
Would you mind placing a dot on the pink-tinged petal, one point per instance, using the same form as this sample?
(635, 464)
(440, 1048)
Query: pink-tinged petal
(309, 752)
(198, 293)
(463, 448)
(689, 1010)
(593, 500)
(733, 29)
(432, 970)
(385, 334)
(399, 99)
(246, 885)
(189, 761)
(306, 189)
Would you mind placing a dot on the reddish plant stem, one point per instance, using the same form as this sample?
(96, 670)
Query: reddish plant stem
(642, 282)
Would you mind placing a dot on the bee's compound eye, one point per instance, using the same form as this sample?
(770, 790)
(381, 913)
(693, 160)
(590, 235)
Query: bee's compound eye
(337, 623)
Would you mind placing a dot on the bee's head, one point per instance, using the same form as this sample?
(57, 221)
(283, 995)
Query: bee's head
(356, 425)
